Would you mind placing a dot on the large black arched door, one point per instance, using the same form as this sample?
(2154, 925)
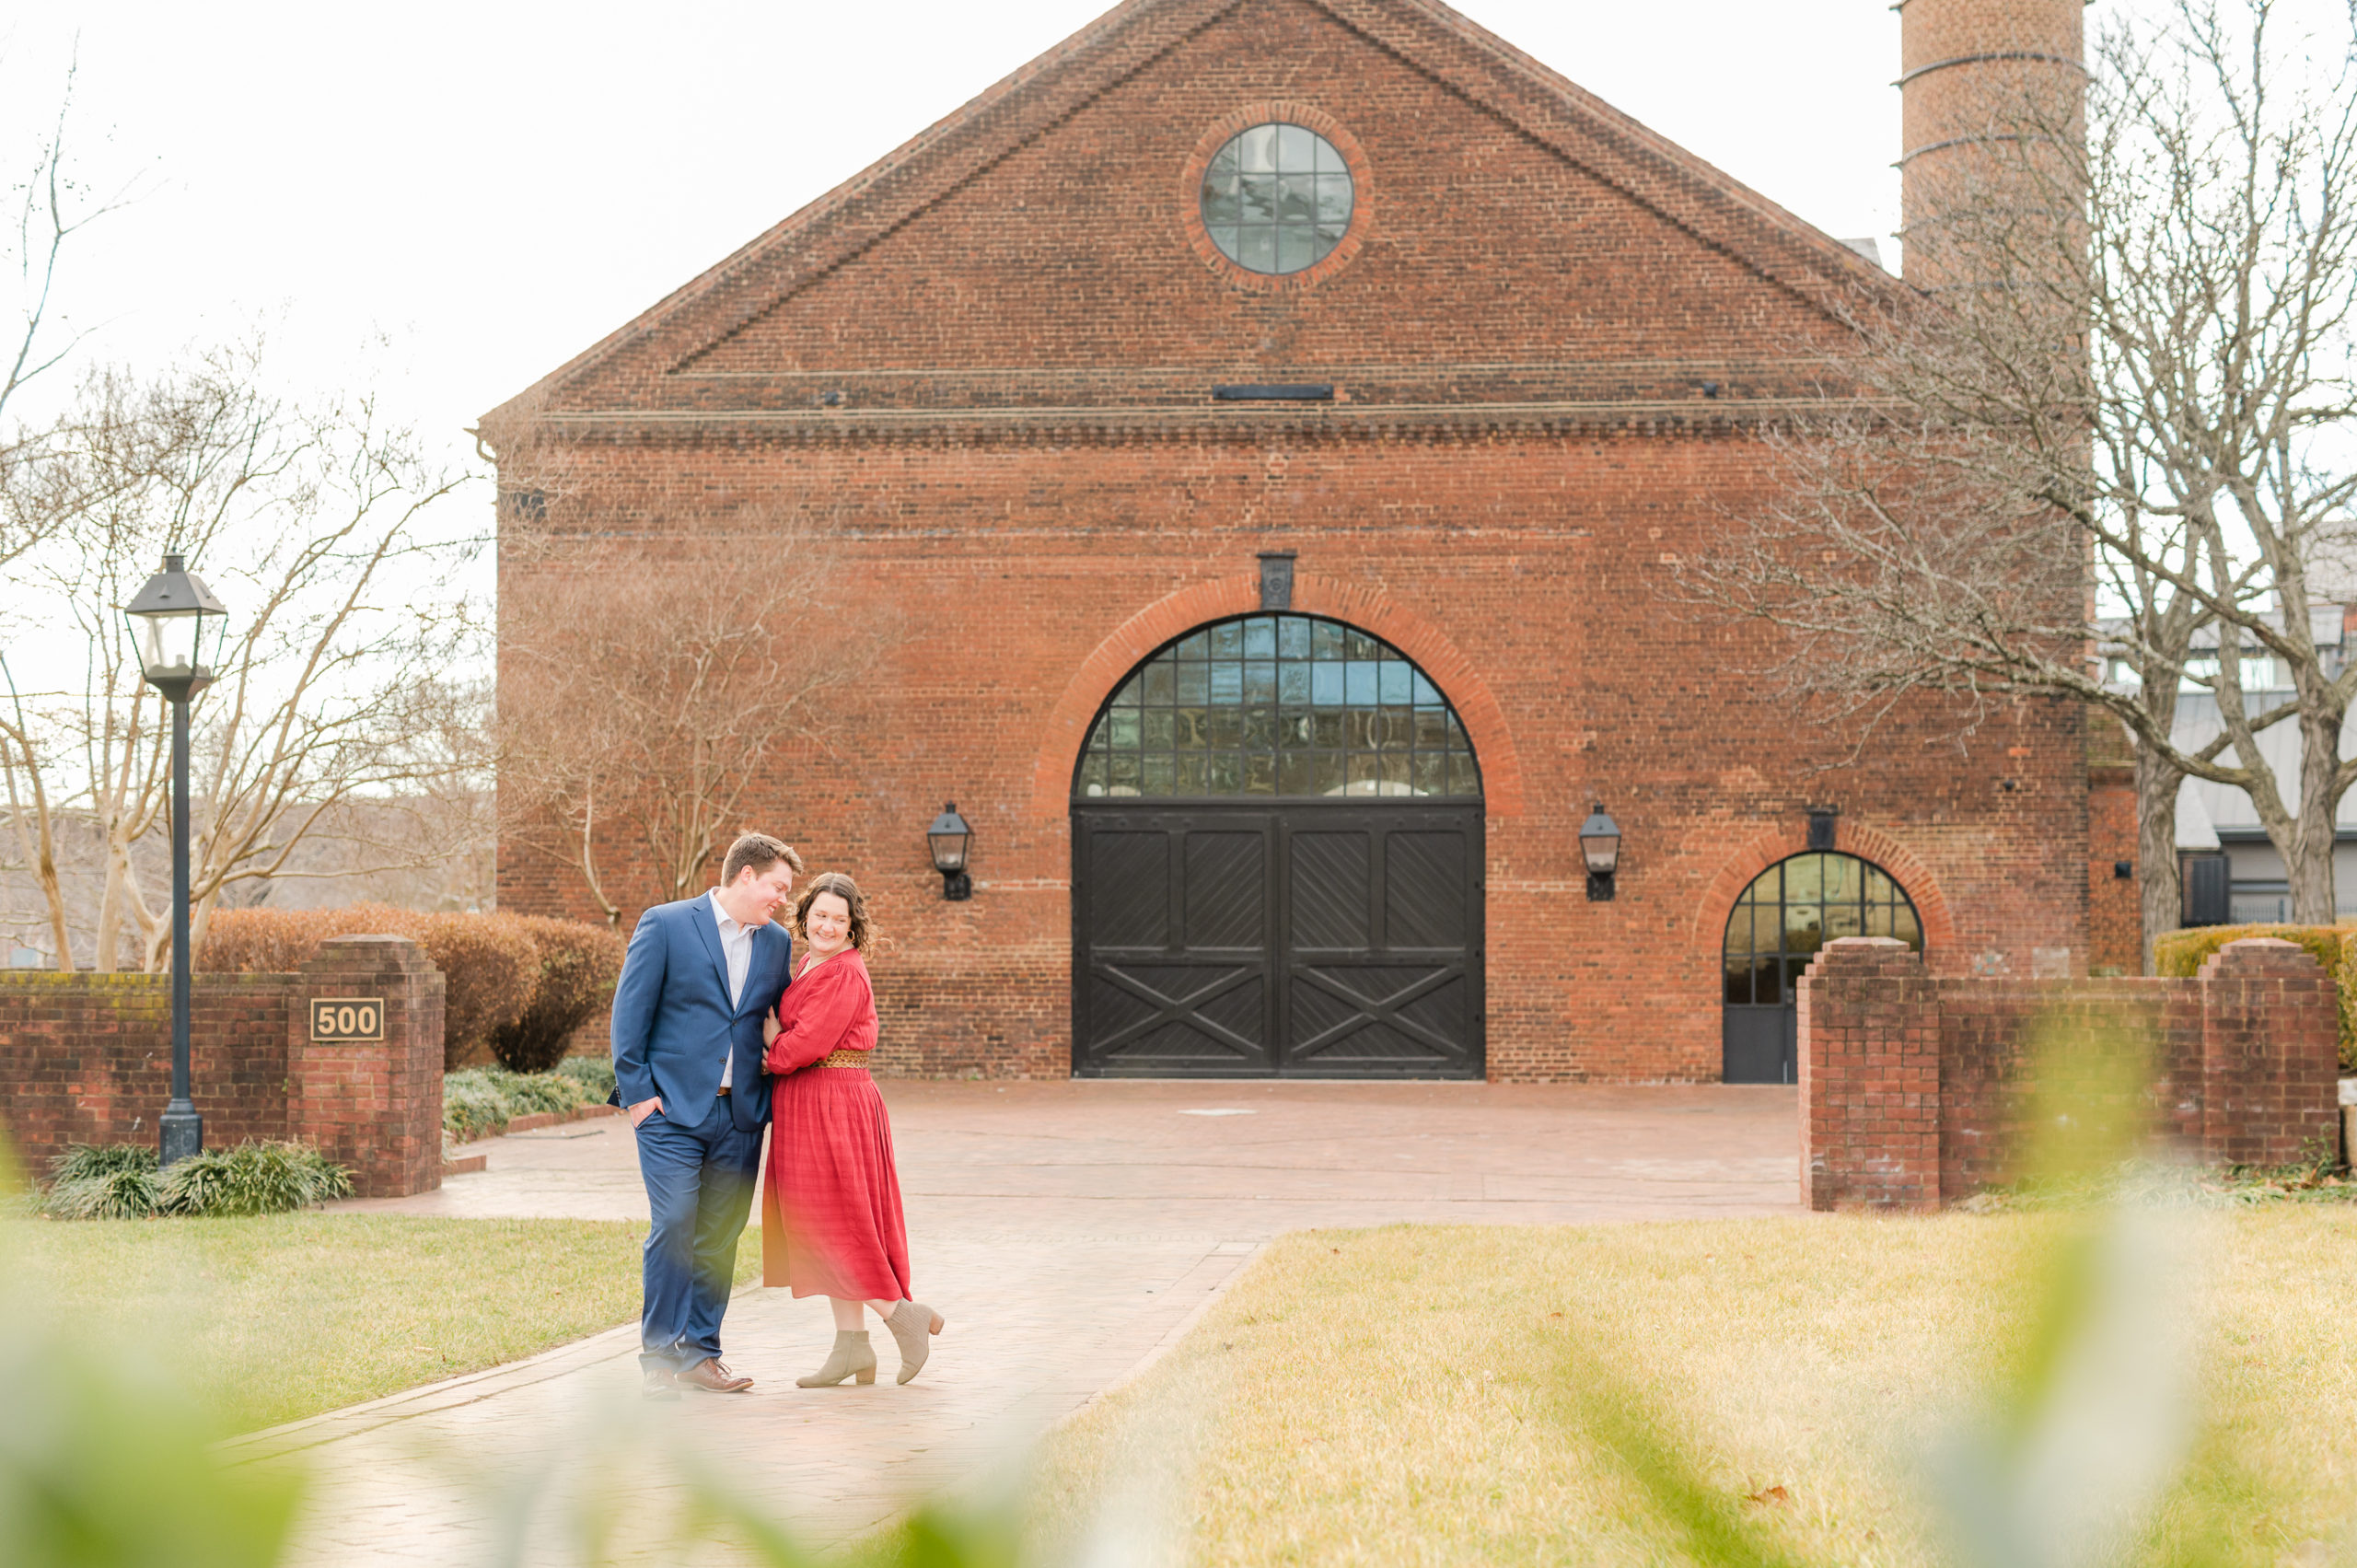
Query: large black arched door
(1277, 865)
(1790, 911)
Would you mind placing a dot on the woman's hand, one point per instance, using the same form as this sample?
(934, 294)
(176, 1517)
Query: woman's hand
(768, 1030)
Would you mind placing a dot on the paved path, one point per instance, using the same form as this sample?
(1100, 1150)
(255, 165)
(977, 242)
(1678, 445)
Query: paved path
(1068, 1230)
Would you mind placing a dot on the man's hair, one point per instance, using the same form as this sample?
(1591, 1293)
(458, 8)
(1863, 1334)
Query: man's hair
(761, 852)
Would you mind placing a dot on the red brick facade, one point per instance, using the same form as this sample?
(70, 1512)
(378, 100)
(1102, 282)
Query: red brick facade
(1917, 1090)
(985, 365)
(88, 1058)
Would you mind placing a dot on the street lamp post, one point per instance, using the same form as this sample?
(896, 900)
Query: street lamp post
(169, 618)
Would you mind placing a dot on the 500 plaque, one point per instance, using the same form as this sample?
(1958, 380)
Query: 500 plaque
(347, 1018)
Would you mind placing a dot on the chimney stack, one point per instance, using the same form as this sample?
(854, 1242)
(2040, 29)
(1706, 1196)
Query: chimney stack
(1967, 70)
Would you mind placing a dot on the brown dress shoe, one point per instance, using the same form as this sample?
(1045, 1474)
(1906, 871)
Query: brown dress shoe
(713, 1377)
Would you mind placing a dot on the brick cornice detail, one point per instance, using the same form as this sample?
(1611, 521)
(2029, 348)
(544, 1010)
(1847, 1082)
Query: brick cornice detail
(1872, 844)
(1215, 598)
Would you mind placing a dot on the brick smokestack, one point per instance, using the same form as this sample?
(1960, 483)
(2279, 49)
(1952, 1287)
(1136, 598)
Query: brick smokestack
(1968, 70)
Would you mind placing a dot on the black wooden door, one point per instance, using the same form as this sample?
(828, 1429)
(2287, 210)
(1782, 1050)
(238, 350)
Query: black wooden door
(1307, 938)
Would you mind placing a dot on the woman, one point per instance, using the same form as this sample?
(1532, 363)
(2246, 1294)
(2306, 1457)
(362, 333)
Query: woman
(831, 1216)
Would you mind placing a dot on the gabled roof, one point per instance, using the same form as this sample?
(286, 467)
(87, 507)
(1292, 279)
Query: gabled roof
(1452, 50)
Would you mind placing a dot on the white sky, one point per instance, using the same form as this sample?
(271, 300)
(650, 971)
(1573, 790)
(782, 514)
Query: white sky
(492, 187)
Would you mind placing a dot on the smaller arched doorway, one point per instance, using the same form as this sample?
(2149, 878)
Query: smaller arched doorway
(1790, 911)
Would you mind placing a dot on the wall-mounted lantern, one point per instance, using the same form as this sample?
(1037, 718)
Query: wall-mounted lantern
(1601, 847)
(948, 838)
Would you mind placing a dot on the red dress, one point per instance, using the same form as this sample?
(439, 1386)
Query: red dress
(830, 1211)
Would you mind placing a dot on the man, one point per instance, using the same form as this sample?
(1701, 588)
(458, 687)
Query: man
(698, 977)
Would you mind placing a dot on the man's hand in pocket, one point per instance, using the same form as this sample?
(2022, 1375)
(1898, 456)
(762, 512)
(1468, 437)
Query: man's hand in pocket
(644, 1109)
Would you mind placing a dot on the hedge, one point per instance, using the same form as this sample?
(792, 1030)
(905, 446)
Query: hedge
(578, 966)
(493, 966)
(2181, 954)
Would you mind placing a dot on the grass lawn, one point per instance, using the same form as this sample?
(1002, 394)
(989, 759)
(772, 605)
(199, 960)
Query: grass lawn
(287, 1316)
(1396, 1396)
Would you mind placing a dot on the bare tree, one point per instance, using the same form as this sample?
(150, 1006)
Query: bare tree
(53, 207)
(2121, 418)
(336, 680)
(649, 678)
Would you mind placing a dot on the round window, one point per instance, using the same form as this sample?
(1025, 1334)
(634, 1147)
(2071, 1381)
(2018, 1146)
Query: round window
(1277, 198)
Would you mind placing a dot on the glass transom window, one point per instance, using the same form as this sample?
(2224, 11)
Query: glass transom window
(1277, 199)
(1794, 908)
(1276, 705)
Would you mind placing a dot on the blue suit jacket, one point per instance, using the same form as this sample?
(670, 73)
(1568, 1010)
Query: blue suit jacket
(673, 1022)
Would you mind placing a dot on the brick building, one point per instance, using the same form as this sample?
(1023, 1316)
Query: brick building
(1269, 427)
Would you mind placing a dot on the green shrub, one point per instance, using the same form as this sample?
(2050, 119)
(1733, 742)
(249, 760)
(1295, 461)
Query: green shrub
(595, 1074)
(120, 1181)
(252, 1178)
(115, 1181)
(2181, 954)
(489, 962)
(481, 1101)
(579, 964)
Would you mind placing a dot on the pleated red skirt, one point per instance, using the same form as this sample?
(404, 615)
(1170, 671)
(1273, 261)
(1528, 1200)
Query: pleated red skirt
(831, 1209)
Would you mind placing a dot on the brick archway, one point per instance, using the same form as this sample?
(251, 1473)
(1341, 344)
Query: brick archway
(1066, 729)
(1871, 844)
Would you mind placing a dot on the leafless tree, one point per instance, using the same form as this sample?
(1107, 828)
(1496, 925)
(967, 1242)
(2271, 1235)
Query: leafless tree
(2122, 416)
(651, 676)
(337, 679)
(53, 207)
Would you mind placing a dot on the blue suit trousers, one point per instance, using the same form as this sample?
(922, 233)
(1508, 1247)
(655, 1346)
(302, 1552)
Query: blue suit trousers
(699, 1190)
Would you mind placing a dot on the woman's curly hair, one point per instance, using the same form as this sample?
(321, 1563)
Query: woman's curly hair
(862, 930)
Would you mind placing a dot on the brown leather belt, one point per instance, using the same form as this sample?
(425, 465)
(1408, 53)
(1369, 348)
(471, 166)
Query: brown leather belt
(724, 1091)
(843, 1059)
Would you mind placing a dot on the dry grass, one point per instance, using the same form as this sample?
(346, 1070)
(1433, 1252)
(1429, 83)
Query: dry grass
(1397, 1396)
(289, 1315)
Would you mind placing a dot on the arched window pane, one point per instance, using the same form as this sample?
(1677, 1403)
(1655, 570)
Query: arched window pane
(1277, 705)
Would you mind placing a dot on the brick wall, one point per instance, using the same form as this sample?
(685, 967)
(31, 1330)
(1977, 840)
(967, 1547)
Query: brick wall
(1918, 1089)
(982, 372)
(88, 1058)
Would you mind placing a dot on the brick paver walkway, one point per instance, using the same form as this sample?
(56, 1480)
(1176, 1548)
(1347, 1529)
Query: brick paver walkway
(1068, 1230)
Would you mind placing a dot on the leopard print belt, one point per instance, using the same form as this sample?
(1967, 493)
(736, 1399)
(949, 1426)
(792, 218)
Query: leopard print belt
(843, 1059)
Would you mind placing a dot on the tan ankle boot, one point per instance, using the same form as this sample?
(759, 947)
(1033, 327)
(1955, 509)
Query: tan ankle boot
(913, 1324)
(852, 1357)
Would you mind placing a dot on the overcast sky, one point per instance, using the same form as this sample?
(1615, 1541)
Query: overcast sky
(489, 188)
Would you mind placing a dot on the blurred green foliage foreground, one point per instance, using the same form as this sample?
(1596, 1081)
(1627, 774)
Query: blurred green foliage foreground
(2133, 1377)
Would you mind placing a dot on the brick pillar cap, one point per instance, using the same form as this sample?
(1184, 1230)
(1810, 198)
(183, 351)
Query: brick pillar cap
(384, 947)
(1874, 941)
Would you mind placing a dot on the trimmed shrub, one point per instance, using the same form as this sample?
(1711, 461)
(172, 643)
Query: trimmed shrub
(121, 1182)
(252, 1178)
(489, 962)
(481, 1101)
(595, 1074)
(2181, 954)
(579, 964)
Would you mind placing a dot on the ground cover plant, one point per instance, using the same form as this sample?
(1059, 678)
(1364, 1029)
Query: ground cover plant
(478, 1102)
(123, 1182)
(279, 1317)
(1418, 1395)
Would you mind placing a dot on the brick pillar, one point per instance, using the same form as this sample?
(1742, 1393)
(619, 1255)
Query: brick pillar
(375, 1105)
(2270, 1042)
(1870, 1077)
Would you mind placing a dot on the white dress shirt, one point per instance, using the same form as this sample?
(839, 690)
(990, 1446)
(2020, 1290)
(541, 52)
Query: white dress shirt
(737, 945)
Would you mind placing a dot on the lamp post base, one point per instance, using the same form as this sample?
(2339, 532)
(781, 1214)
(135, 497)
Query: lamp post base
(180, 1132)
